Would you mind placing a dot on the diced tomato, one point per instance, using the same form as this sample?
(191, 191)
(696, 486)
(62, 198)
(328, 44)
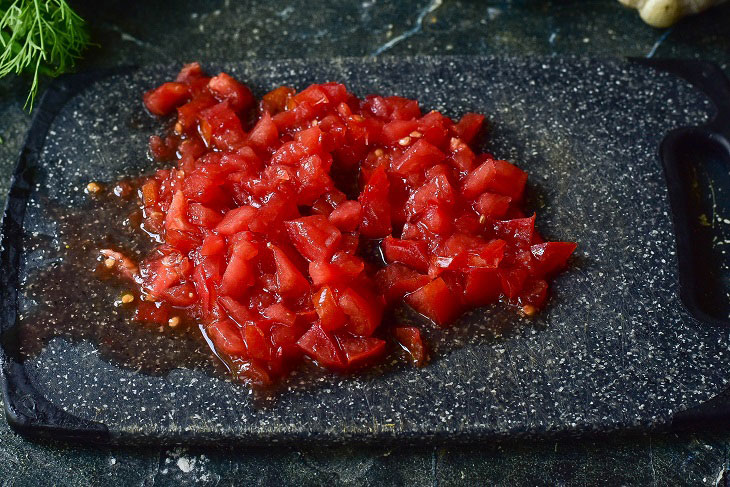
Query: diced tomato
(268, 238)
(290, 281)
(240, 313)
(410, 339)
(346, 216)
(419, 156)
(226, 337)
(221, 127)
(518, 231)
(325, 303)
(240, 273)
(164, 99)
(148, 312)
(314, 237)
(483, 286)
(551, 256)
(182, 295)
(493, 205)
(375, 206)
(359, 350)
(213, 244)
(397, 280)
(264, 135)
(499, 177)
(236, 220)
(468, 126)
(225, 88)
(364, 312)
(322, 347)
(436, 302)
(409, 252)
(512, 280)
(279, 313)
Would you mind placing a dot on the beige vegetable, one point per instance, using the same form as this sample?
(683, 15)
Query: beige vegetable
(663, 13)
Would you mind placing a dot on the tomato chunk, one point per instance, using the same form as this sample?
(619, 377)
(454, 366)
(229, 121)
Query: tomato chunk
(163, 100)
(322, 347)
(410, 339)
(436, 302)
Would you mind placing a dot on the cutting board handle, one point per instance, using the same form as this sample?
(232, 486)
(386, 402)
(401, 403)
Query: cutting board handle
(696, 163)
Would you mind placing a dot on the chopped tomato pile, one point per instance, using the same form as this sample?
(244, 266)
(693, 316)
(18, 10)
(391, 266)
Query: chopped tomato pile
(264, 220)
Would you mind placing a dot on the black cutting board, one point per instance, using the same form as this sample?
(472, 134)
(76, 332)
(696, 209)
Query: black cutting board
(616, 349)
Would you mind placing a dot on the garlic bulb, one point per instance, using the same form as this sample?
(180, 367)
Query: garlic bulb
(663, 13)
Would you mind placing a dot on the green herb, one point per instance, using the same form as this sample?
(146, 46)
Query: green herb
(39, 37)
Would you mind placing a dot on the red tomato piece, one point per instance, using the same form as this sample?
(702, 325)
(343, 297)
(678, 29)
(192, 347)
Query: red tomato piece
(226, 337)
(412, 253)
(225, 88)
(552, 256)
(325, 304)
(492, 205)
(237, 311)
(410, 339)
(164, 99)
(290, 281)
(517, 232)
(182, 295)
(360, 350)
(264, 135)
(419, 156)
(375, 206)
(322, 347)
(497, 177)
(236, 220)
(364, 312)
(314, 237)
(279, 313)
(240, 273)
(397, 280)
(483, 286)
(347, 216)
(468, 126)
(148, 312)
(436, 302)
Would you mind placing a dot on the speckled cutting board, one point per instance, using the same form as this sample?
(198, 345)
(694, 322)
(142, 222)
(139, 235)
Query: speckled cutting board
(614, 350)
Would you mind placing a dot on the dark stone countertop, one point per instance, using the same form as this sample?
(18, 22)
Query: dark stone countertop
(155, 31)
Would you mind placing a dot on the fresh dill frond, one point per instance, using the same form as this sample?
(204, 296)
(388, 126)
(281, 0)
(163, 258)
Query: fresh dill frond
(39, 37)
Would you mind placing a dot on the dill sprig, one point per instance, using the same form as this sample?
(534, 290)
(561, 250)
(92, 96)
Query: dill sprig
(39, 37)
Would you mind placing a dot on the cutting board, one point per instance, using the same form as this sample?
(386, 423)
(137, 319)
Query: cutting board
(634, 336)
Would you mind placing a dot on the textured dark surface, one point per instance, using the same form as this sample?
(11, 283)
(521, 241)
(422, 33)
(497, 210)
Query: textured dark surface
(609, 352)
(142, 34)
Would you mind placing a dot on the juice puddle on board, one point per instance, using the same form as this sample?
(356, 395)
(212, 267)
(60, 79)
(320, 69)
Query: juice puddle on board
(66, 292)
